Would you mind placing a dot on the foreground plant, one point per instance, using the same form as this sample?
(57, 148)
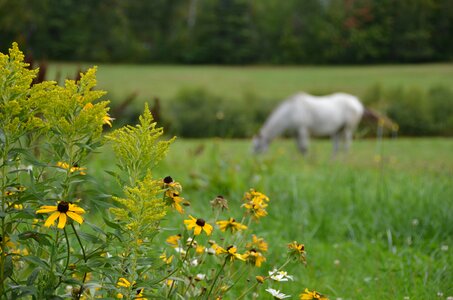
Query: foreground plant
(49, 247)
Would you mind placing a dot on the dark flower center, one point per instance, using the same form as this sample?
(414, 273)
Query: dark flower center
(1, 239)
(63, 207)
(229, 247)
(168, 180)
(200, 222)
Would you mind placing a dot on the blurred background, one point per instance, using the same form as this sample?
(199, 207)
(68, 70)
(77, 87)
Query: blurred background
(236, 59)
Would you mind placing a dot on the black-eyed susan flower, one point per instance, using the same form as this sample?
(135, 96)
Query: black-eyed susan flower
(231, 224)
(171, 184)
(175, 200)
(71, 168)
(257, 243)
(297, 251)
(173, 240)
(256, 209)
(230, 252)
(198, 225)
(61, 212)
(309, 295)
(276, 294)
(139, 294)
(254, 257)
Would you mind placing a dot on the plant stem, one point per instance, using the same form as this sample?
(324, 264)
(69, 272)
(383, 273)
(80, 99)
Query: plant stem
(247, 291)
(182, 264)
(67, 258)
(216, 277)
(84, 258)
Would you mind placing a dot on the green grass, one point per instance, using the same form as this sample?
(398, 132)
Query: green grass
(372, 229)
(268, 82)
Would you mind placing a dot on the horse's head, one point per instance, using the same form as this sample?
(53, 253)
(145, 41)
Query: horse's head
(259, 144)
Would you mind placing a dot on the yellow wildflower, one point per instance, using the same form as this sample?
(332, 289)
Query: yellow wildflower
(231, 253)
(61, 212)
(123, 282)
(231, 224)
(171, 184)
(166, 259)
(198, 225)
(74, 168)
(297, 251)
(257, 243)
(175, 200)
(254, 257)
(200, 249)
(173, 240)
(107, 120)
(307, 295)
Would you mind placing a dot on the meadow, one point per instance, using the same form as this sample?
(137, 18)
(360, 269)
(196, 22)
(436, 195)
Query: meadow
(376, 224)
(268, 82)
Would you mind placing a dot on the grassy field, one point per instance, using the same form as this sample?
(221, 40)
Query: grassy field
(377, 224)
(268, 82)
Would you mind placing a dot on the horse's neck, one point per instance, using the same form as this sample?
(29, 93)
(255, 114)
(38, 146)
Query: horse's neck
(278, 121)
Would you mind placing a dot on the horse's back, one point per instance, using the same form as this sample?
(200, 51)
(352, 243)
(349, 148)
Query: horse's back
(327, 114)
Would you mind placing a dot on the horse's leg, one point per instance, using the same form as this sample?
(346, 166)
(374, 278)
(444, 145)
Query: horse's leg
(336, 143)
(303, 140)
(347, 138)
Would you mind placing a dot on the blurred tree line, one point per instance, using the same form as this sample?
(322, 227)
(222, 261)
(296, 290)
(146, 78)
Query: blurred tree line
(231, 31)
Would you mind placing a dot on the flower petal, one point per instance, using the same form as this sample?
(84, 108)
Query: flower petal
(207, 228)
(75, 217)
(197, 230)
(62, 221)
(46, 209)
(76, 209)
(51, 219)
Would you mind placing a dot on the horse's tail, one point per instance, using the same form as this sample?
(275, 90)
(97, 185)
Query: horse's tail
(382, 120)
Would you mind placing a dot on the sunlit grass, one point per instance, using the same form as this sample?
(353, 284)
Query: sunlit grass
(266, 82)
(372, 229)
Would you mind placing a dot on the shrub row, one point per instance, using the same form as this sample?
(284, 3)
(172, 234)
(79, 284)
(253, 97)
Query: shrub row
(197, 113)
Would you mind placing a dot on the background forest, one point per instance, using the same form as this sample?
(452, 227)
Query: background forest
(231, 31)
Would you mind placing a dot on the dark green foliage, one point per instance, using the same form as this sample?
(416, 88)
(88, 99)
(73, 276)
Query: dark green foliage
(197, 113)
(231, 31)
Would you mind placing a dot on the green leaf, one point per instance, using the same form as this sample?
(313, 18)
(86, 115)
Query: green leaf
(34, 274)
(36, 261)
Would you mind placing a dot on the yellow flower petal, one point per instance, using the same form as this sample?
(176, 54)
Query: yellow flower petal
(51, 220)
(207, 228)
(197, 230)
(62, 221)
(76, 209)
(46, 209)
(75, 217)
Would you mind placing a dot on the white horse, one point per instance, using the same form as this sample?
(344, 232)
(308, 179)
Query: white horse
(335, 115)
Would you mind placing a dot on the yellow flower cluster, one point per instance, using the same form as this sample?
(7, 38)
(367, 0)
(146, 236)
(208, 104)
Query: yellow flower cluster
(255, 204)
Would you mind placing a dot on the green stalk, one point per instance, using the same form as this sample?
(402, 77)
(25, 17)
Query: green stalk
(84, 258)
(67, 258)
(216, 277)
